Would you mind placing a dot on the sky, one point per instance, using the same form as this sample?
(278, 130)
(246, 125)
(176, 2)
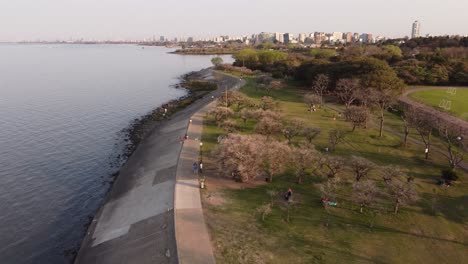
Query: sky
(137, 19)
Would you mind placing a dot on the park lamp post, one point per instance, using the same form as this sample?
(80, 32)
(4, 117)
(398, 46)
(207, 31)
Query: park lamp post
(201, 151)
(201, 179)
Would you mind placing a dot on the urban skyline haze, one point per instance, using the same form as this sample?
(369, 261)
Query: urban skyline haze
(138, 19)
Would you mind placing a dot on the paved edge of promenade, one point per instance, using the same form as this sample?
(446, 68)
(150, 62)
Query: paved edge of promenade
(192, 238)
(135, 224)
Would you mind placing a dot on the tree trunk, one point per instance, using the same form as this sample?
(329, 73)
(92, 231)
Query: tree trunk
(299, 179)
(406, 138)
(381, 123)
(361, 208)
(397, 206)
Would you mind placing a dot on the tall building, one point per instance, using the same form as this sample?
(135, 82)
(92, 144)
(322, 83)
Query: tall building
(356, 37)
(279, 37)
(286, 38)
(348, 37)
(302, 37)
(364, 38)
(265, 37)
(319, 37)
(416, 30)
(162, 38)
(337, 36)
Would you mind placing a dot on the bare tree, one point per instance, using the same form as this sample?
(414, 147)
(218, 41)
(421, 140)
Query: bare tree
(260, 113)
(268, 126)
(220, 113)
(240, 154)
(320, 86)
(347, 90)
(391, 172)
(364, 193)
(310, 133)
(274, 157)
(312, 100)
(264, 210)
(402, 193)
(331, 166)
(408, 118)
(423, 123)
(382, 100)
(304, 158)
(364, 96)
(358, 116)
(263, 81)
(267, 103)
(292, 128)
(361, 167)
(453, 140)
(335, 137)
(235, 98)
(229, 126)
(245, 115)
(272, 193)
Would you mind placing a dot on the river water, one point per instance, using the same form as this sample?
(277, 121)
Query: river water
(62, 110)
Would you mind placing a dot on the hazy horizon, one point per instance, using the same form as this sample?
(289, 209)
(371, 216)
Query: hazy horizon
(138, 19)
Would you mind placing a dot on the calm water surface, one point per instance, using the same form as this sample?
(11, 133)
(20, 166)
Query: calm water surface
(61, 110)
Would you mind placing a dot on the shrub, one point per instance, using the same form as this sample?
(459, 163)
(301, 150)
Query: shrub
(449, 175)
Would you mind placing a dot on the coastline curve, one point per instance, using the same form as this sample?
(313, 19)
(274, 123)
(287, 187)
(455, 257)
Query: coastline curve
(136, 222)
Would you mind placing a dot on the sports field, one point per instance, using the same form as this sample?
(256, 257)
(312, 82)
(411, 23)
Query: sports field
(452, 100)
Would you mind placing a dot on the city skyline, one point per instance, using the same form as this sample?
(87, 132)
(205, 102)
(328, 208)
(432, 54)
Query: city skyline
(121, 19)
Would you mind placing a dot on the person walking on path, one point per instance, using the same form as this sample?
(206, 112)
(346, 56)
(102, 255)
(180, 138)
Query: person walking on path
(200, 167)
(195, 168)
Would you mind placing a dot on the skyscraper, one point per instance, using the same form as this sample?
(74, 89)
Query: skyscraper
(415, 33)
(286, 38)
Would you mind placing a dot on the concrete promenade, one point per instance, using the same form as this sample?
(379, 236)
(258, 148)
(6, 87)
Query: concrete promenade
(193, 241)
(136, 222)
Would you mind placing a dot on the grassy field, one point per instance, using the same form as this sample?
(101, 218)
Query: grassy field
(452, 101)
(432, 230)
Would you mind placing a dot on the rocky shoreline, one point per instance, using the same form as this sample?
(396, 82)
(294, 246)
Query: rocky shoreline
(139, 128)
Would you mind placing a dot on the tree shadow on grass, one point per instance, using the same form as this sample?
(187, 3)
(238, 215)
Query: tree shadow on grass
(384, 229)
(320, 251)
(451, 208)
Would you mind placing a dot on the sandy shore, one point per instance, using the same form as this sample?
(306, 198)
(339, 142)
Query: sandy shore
(136, 222)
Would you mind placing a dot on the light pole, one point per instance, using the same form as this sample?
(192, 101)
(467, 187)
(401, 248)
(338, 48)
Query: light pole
(201, 151)
(201, 178)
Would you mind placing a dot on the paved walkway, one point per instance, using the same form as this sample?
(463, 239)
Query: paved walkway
(193, 241)
(136, 222)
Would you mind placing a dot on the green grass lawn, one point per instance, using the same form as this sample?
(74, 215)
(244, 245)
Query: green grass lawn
(432, 230)
(452, 101)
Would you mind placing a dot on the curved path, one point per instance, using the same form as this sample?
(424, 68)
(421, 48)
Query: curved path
(445, 117)
(136, 222)
(192, 238)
